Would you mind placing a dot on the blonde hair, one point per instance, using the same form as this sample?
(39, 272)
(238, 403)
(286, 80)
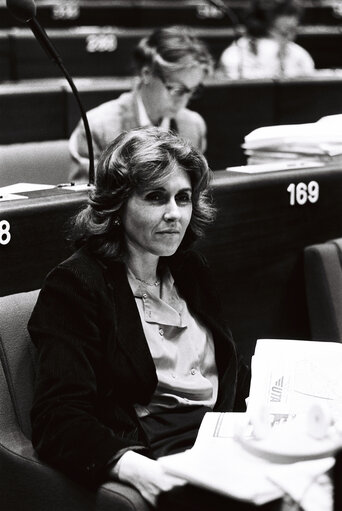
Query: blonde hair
(174, 48)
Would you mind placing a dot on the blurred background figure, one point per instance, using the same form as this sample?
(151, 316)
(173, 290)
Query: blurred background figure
(171, 66)
(267, 49)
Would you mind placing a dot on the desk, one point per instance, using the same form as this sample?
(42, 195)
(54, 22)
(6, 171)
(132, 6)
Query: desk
(108, 51)
(85, 51)
(37, 229)
(142, 13)
(255, 248)
(46, 110)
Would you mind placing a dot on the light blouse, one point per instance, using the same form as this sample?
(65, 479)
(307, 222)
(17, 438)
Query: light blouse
(181, 347)
(270, 60)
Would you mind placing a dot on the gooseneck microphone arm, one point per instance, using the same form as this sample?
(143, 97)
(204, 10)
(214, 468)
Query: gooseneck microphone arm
(25, 11)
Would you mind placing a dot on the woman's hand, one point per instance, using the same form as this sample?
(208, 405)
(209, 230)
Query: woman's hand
(146, 475)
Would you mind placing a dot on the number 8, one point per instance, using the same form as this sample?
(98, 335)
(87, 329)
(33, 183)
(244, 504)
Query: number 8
(5, 235)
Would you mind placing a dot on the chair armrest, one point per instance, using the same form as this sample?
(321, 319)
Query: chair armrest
(323, 280)
(28, 483)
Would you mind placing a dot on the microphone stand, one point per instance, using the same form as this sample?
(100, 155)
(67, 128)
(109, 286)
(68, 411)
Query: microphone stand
(24, 11)
(41, 36)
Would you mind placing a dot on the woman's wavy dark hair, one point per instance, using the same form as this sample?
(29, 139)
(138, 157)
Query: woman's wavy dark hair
(137, 160)
(260, 17)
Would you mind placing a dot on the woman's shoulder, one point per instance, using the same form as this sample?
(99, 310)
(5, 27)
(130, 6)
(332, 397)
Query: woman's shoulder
(300, 52)
(191, 257)
(81, 267)
(189, 265)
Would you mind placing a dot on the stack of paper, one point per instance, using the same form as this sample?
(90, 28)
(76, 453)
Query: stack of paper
(316, 142)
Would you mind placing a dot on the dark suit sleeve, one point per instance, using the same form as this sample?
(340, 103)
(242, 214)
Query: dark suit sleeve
(66, 428)
(242, 387)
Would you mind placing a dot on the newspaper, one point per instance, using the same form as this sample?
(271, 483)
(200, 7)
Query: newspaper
(288, 378)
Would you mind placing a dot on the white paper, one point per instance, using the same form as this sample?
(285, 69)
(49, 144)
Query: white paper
(327, 130)
(76, 187)
(275, 166)
(289, 376)
(24, 187)
(11, 196)
(219, 463)
(319, 142)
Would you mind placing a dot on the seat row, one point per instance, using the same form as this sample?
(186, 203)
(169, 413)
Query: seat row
(46, 110)
(108, 51)
(152, 13)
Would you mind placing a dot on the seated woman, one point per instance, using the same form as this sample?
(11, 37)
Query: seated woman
(268, 50)
(171, 64)
(132, 346)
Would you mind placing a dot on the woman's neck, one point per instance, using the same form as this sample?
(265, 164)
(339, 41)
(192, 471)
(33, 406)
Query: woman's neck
(144, 269)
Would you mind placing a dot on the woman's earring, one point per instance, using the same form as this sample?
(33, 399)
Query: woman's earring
(117, 221)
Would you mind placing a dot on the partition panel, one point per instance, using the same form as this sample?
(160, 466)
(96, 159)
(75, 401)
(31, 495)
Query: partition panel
(307, 100)
(32, 112)
(141, 13)
(5, 57)
(232, 110)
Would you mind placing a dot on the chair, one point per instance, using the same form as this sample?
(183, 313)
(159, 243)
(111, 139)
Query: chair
(323, 280)
(46, 162)
(26, 483)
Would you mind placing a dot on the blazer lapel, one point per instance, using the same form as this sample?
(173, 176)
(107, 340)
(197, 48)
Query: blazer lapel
(130, 334)
(129, 112)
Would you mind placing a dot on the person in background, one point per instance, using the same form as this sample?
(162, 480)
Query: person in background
(171, 66)
(132, 345)
(267, 49)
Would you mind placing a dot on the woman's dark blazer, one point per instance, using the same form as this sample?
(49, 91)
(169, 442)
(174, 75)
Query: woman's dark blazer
(94, 363)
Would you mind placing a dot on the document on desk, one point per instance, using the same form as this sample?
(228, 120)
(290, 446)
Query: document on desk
(23, 187)
(11, 196)
(289, 376)
(275, 166)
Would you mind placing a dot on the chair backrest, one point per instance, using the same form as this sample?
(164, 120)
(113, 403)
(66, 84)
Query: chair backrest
(323, 280)
(46, 162)
(17, 356)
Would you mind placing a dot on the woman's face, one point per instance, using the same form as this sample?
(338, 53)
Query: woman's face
(285, 27)
(170, 91)
(156, 219)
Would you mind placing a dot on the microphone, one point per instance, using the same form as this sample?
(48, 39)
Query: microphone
(229, 13)
(25, 11)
